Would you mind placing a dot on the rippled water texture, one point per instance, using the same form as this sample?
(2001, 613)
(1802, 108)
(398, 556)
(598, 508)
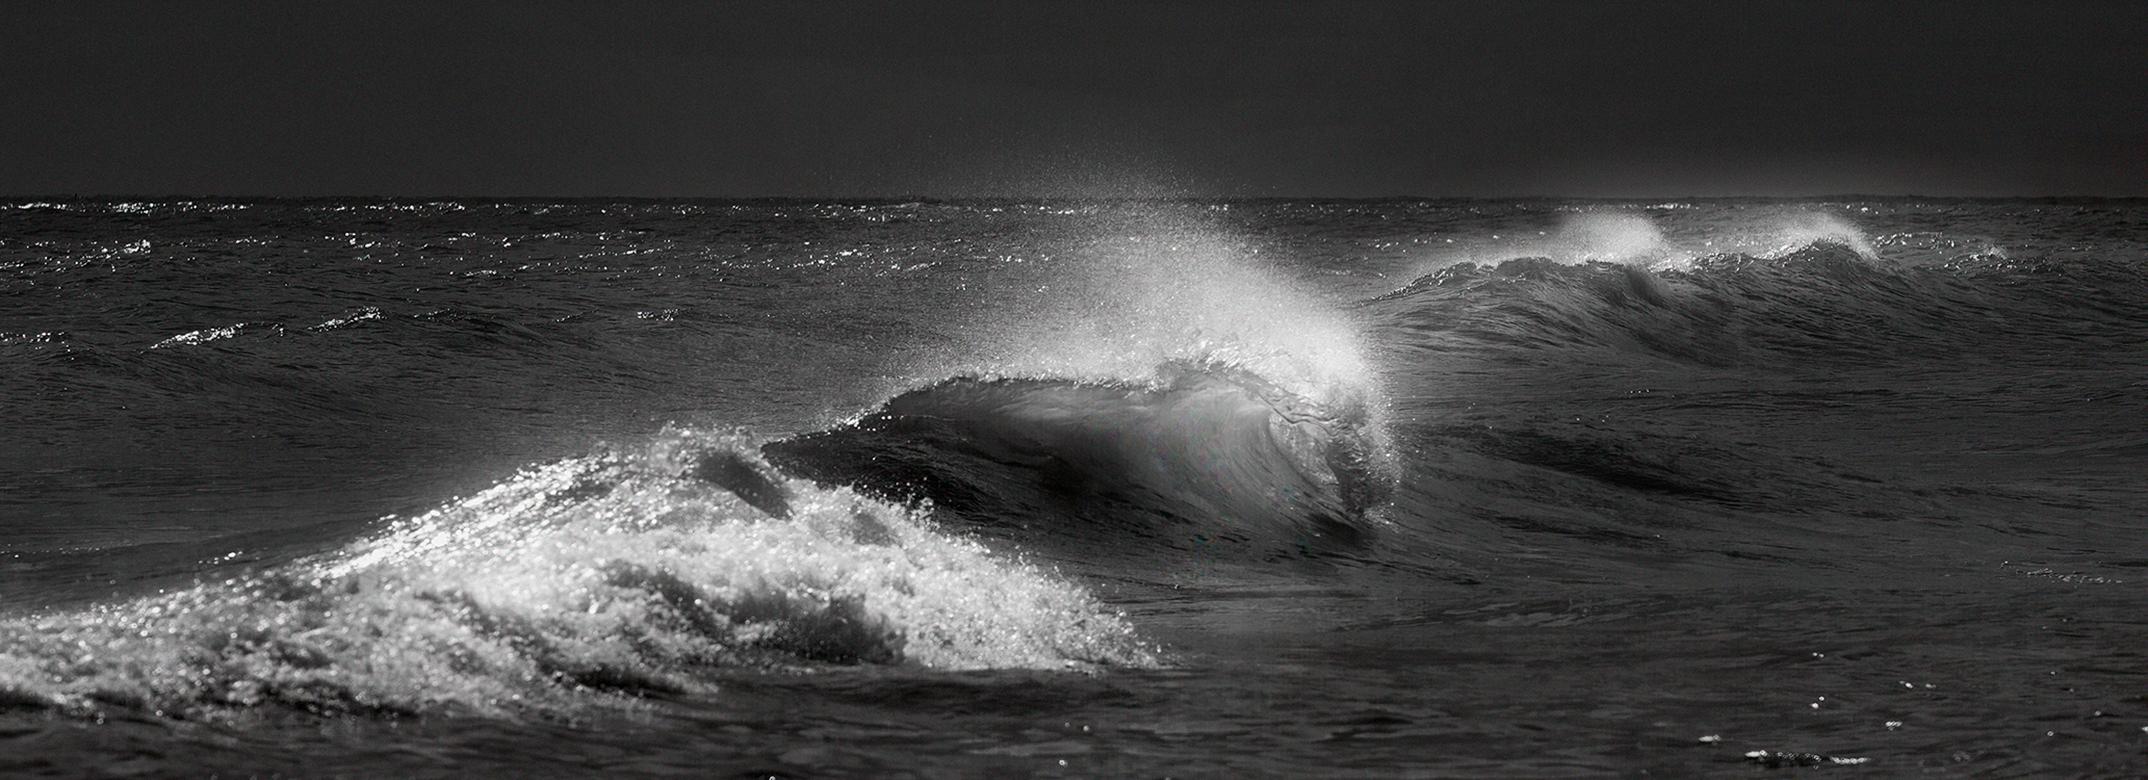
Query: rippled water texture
(1117, 488)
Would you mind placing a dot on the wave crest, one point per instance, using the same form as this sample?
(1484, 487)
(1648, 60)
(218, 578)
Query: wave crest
(1205, 453)
(1824, 300)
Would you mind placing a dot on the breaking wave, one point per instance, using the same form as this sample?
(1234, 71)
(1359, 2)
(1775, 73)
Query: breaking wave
(1201, 456)
(1167, 392)
(599, 578)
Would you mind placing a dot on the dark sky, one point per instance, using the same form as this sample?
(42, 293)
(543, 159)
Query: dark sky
(1058, 98)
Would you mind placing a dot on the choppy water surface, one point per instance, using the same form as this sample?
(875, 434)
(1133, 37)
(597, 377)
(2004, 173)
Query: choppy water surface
(1123, 488)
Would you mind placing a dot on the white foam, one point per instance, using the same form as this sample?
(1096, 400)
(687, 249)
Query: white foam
(605, 572)
(203, 336)
(362, 315)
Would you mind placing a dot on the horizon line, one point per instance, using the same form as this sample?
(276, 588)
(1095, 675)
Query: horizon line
(915, 198)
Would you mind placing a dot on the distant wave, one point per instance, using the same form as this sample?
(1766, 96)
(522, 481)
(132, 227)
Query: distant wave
(1630, 238)
(1824, 300)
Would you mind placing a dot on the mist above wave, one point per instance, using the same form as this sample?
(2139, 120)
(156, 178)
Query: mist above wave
(1127, 307)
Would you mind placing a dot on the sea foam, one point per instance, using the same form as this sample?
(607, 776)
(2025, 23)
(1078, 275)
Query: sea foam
(583, 580)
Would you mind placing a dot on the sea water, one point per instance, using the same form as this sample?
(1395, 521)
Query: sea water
(1074, 487)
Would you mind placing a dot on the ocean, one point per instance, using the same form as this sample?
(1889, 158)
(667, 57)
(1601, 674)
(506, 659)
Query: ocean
(1123, 488)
